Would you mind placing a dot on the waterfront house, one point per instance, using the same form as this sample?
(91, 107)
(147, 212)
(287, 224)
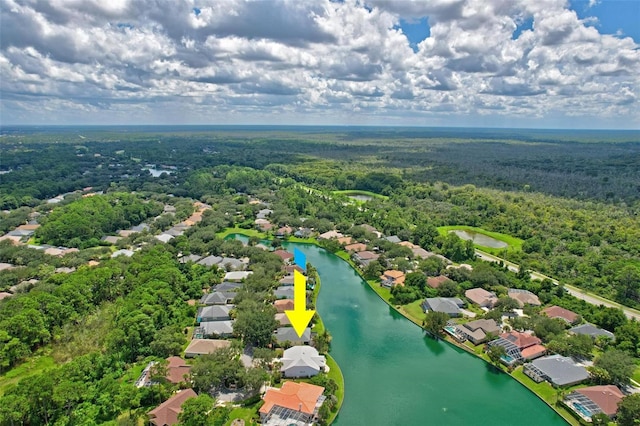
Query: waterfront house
(356, 247)
(392, 278)
(292, 404)
(288, 334)
(478, 331)
(284, 255)
(365, 257)
(556, 369)
(589, 401)
(302, 361)
(449, 305)
(283, 305)
(329, 235)
(284, 292)
(519, 347)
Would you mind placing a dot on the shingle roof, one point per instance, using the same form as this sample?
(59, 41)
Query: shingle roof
(591, 330)
(298, 356)
(217, 298)
(205, 346)
(284, 334)
(167, 412)
(177, 369)
(558, 312)
(561, 370)
(448, 305)
(606, 397)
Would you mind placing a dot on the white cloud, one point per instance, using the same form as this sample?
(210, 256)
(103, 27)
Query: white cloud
(316, 61)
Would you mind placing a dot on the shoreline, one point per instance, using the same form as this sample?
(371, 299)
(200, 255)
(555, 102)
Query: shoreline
(312, 241)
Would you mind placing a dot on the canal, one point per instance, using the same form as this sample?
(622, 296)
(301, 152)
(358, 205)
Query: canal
(394, 375)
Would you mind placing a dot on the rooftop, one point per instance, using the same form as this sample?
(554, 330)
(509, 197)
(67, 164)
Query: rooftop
(294, 396)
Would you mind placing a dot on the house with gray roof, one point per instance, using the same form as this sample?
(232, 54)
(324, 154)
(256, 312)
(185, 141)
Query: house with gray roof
(449, 305)
(175, 232)
(592, 330)
(214, 313)
(110, 239)
(210, 261)
(288, 334)
(164, 237)
(123, 252)
(218, 298)
(139, 228)
(190, 258)
(393, 239)
(227, 286)
(237, 275)
(232, 264)
(216, 328)
(264, 213)
(302, 361)
(556, 369)
(284, 292)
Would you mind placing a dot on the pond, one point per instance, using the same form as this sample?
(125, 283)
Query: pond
(480, 239)
(395, 375)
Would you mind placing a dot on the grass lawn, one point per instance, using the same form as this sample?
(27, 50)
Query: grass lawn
(343, 255)
(414, 310)
(636, 374)
(247, 232)
(383, 292)
(34, 365)
(336, 374)
(360, 192)
(514, 243)
(244, 413)
(545, 391)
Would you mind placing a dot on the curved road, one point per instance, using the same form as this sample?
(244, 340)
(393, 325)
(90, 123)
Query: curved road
(574, 291)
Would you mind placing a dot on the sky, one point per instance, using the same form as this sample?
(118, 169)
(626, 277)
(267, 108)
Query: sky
(461, 63)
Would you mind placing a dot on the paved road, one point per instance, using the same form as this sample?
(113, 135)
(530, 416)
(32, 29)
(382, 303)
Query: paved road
(574, 291)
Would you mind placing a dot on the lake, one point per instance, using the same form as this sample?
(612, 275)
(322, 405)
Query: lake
(480, 239)
(395, 375)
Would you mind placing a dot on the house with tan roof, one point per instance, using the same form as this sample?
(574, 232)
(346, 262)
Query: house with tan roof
(478, 331)
(435, 282)
(365, 257)
(392, 278)
(564, 314)
(482, 297)
(345, 240)
(293, 403)
(284, 231)
(356, 247)
(283, 305)
(329, 235)
(205, 346)
(523, 297)
(284, 255)
(408, 244)
(589, 401)
(166, 414)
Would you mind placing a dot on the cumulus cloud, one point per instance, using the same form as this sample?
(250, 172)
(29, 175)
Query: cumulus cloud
(314, 61)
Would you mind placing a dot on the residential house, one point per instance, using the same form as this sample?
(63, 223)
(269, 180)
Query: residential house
(215, 328)
(168, 208)
(110, 239)
(190, 258)
(283, 305)
(288, 334)
(449, 305)
(164, 237)
(282, 319)
(589, 401)
(284, 255)
(166, 414)
(64, 270)
(204, 347)
(122, 252)
(290, 268)
(218, 298)
(435, 282)
(232, 264)
(408, 244)
(284, 231)
(303, 233)
(564, 314)
(523, 297)
(294, 404)
(302, 361)
(284, 292)
(364, 257)
(482, 297)
(519, 347)
(140, 228)
(214, 313)
(356, 247)
(264, 213)
(227, 286)
(264, 225)
(177, 372)
(371, 229)
(421, 253)
(346, 241)
(286, 281)
(210, 261)
(329, 235)
(478, 331)
(592, 330)
(175, 231)
(393, 239)
(556, 369)
(237, 275)
(392, 278)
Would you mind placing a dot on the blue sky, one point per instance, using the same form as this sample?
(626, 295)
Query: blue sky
(498, 63)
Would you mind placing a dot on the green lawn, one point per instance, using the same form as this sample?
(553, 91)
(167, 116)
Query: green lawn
(514, 243)
(244, 413)
(360, 192)
(414, 310)
(383, 292)
(34, 365)
(636, 374)
(336, 374)
(247, 232)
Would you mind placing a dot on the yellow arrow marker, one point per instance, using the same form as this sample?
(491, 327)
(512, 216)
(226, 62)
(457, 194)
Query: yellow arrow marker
(299, 316)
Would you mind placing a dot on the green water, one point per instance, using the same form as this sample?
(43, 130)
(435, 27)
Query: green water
(394, 375)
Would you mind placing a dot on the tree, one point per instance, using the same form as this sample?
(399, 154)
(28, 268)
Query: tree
(434, 322)
(322, 342)
(255, 322)
(628, 284)
(495, 352)
(197, 411)
(600, 419)
(618, 364)
(507, 304)
(448, 289)
(629, 410)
